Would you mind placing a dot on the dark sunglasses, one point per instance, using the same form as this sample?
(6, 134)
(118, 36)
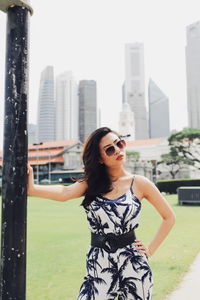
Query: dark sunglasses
(112, 149)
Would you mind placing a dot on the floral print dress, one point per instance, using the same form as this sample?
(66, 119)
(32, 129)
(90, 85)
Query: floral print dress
(124, 274)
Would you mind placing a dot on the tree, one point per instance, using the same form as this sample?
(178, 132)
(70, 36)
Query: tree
(174, 162)
(187, 144)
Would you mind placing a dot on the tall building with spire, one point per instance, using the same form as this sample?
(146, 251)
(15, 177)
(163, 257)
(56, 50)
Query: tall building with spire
(135, 87)
(193, 74)
(87, 108)
(46, 106)
(126, 122)
(32, 133)
(66, 107)
(158, 112)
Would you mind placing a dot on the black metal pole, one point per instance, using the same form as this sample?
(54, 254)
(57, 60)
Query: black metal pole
(14, 176)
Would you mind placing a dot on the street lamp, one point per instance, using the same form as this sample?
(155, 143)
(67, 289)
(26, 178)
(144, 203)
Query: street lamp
(37, 172)
(154, 164)
(125, 136)
(49, 170)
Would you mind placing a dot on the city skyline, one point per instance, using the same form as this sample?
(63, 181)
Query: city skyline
(66, 108)
(99, 54)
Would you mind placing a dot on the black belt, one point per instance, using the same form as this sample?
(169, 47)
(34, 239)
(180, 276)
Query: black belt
(111, 242)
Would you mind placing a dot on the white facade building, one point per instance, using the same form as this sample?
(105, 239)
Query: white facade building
(46, 106)
(150, 149)
(66, 107)
(126, 122)
(134, 88)
(193, 74)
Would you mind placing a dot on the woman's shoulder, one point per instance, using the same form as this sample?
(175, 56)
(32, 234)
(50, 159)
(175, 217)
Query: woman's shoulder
(140, 179)
(141, 183)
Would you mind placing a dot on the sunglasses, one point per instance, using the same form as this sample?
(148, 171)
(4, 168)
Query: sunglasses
(112, 149)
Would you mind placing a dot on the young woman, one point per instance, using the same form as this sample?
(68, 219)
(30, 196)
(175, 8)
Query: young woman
(117, 262)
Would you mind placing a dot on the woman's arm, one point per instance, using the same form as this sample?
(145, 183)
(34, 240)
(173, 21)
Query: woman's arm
(55, 192)
(153, 195)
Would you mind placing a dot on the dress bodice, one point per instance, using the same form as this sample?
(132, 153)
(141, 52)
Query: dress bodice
(117, 216)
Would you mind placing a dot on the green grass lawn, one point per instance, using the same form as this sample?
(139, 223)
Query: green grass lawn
(58, 239)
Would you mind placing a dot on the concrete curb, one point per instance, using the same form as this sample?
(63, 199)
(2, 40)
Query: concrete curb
(189, 288)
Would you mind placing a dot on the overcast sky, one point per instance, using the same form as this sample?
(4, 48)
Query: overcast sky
(88, 38)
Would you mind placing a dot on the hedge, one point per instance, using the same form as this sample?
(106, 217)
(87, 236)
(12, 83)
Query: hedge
(170, 186)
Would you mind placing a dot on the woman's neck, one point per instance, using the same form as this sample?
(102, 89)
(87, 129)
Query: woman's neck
(115, 173)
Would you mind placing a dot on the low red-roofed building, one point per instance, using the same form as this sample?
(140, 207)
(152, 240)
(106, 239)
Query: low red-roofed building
(50, 157)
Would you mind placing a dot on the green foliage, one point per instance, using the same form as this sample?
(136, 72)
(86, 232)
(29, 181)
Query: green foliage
(186, 143)
(184, 150)
(134, 154)
(174, 161)
(173, 157)
(185, 134)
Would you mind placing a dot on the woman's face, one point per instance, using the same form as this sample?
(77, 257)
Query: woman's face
(112, 156)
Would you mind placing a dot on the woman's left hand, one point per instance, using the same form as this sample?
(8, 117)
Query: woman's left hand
(142, 248)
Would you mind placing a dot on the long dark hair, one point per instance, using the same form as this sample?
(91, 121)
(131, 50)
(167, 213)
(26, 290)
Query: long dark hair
(96, 174)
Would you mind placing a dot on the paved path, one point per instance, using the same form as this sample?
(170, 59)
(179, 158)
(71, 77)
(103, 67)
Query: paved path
(189, 288)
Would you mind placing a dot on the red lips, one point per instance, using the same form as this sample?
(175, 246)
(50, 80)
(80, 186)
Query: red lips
(120, 157)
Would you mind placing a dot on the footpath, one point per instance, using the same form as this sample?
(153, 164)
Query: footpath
(189, 288)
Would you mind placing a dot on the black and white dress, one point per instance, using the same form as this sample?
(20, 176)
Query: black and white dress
(124, 274)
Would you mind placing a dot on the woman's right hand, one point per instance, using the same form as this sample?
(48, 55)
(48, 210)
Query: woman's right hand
(55, 192)
(30, 184)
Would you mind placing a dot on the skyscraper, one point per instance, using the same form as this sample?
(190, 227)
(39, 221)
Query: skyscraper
(158, 112)
(123, 94)
(87, 108)
(135, 87)
(66, 107)
(193, 74)
(46, 106)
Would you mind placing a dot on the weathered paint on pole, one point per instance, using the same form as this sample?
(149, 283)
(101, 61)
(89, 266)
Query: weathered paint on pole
(14, 175)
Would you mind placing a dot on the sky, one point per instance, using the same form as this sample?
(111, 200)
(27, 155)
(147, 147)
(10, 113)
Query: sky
(88, 37)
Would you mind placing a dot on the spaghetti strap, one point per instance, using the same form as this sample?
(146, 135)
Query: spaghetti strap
(131, 186)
